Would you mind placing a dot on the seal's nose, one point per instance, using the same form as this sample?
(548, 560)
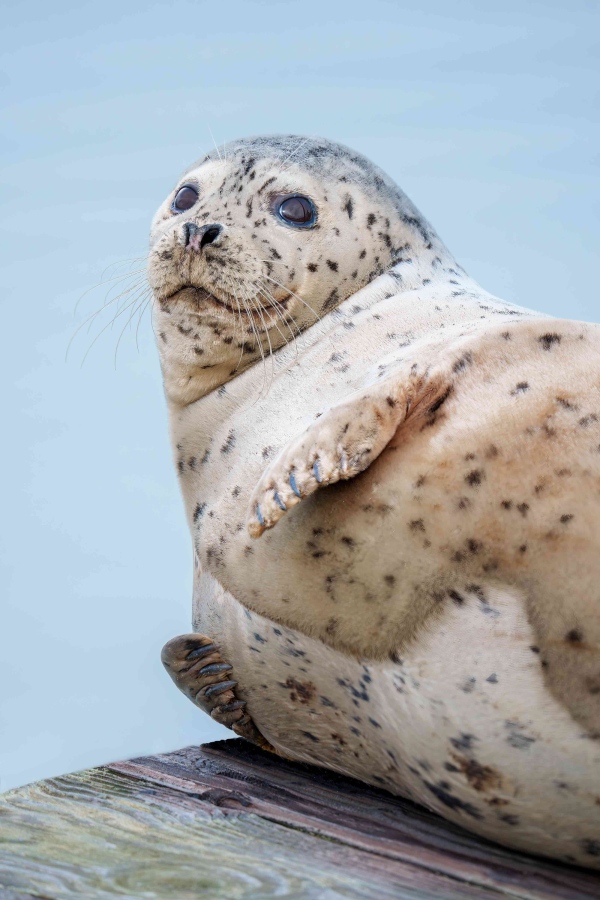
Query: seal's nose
(196, 238)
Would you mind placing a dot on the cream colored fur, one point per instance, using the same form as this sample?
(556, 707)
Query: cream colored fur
(464, 437)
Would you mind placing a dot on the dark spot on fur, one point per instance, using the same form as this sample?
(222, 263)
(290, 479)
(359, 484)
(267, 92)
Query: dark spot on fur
(463, 741)
(574, 636)
(304, 691)
(547, 340)
(475, 477)
(591, 846)
(516, 738)
(463, 363)
(510, 819)
(229, 443)
(199, 511)
(481, 778)
(453, 802)
(332, 626)
(266, 184)
(565, 404)
(440, 401)
(417, 525)
(332, 300)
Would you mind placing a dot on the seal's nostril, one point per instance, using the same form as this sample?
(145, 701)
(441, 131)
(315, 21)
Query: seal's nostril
(189, 231)
(211, 233)
(196, 238)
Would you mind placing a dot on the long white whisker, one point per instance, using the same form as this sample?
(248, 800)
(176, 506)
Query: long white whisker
(238, 319)
(148, 302)
(140, 303)
(102, 283)
(286, 317)
(274, 304)
(121, 262)
(279, 284)
(214, 142)
(296, 149)
(138, 285)
(241, 321)
(90, 319)
(258, 308)
(123, 298)
(258, 338)
(108, 325)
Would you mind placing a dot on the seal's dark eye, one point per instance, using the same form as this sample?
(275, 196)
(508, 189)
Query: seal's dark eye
(296, 210)
(185, 198)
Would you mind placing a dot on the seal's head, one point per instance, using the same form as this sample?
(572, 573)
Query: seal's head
(262, 240)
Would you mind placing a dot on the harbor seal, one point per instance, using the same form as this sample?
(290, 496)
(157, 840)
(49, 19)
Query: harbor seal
(426, 619)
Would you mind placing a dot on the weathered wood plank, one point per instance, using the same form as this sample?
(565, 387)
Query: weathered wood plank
(364, 817)
(103, 834)
(227, 820)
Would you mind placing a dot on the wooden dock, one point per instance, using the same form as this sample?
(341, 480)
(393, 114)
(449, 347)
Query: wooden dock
(226, 820)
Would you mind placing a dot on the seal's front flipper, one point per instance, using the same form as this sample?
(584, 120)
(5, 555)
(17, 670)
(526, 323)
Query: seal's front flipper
(195, 664)
(346, 439)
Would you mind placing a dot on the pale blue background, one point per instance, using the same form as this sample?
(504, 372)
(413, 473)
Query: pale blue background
(485, 113)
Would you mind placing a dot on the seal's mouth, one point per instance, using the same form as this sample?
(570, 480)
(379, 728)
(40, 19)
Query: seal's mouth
(200, 296)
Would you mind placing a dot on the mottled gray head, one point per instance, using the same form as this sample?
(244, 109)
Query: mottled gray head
(259, 240)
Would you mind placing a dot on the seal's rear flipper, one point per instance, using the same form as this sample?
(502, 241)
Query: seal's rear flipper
(195, 664)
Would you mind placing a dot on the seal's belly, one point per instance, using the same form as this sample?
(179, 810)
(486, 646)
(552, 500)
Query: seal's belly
(462, 722)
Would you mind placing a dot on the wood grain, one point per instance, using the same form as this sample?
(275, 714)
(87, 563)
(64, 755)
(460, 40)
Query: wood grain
(227, 820)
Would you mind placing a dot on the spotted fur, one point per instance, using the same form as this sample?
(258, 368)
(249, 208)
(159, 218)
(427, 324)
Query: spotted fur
(426, 616)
